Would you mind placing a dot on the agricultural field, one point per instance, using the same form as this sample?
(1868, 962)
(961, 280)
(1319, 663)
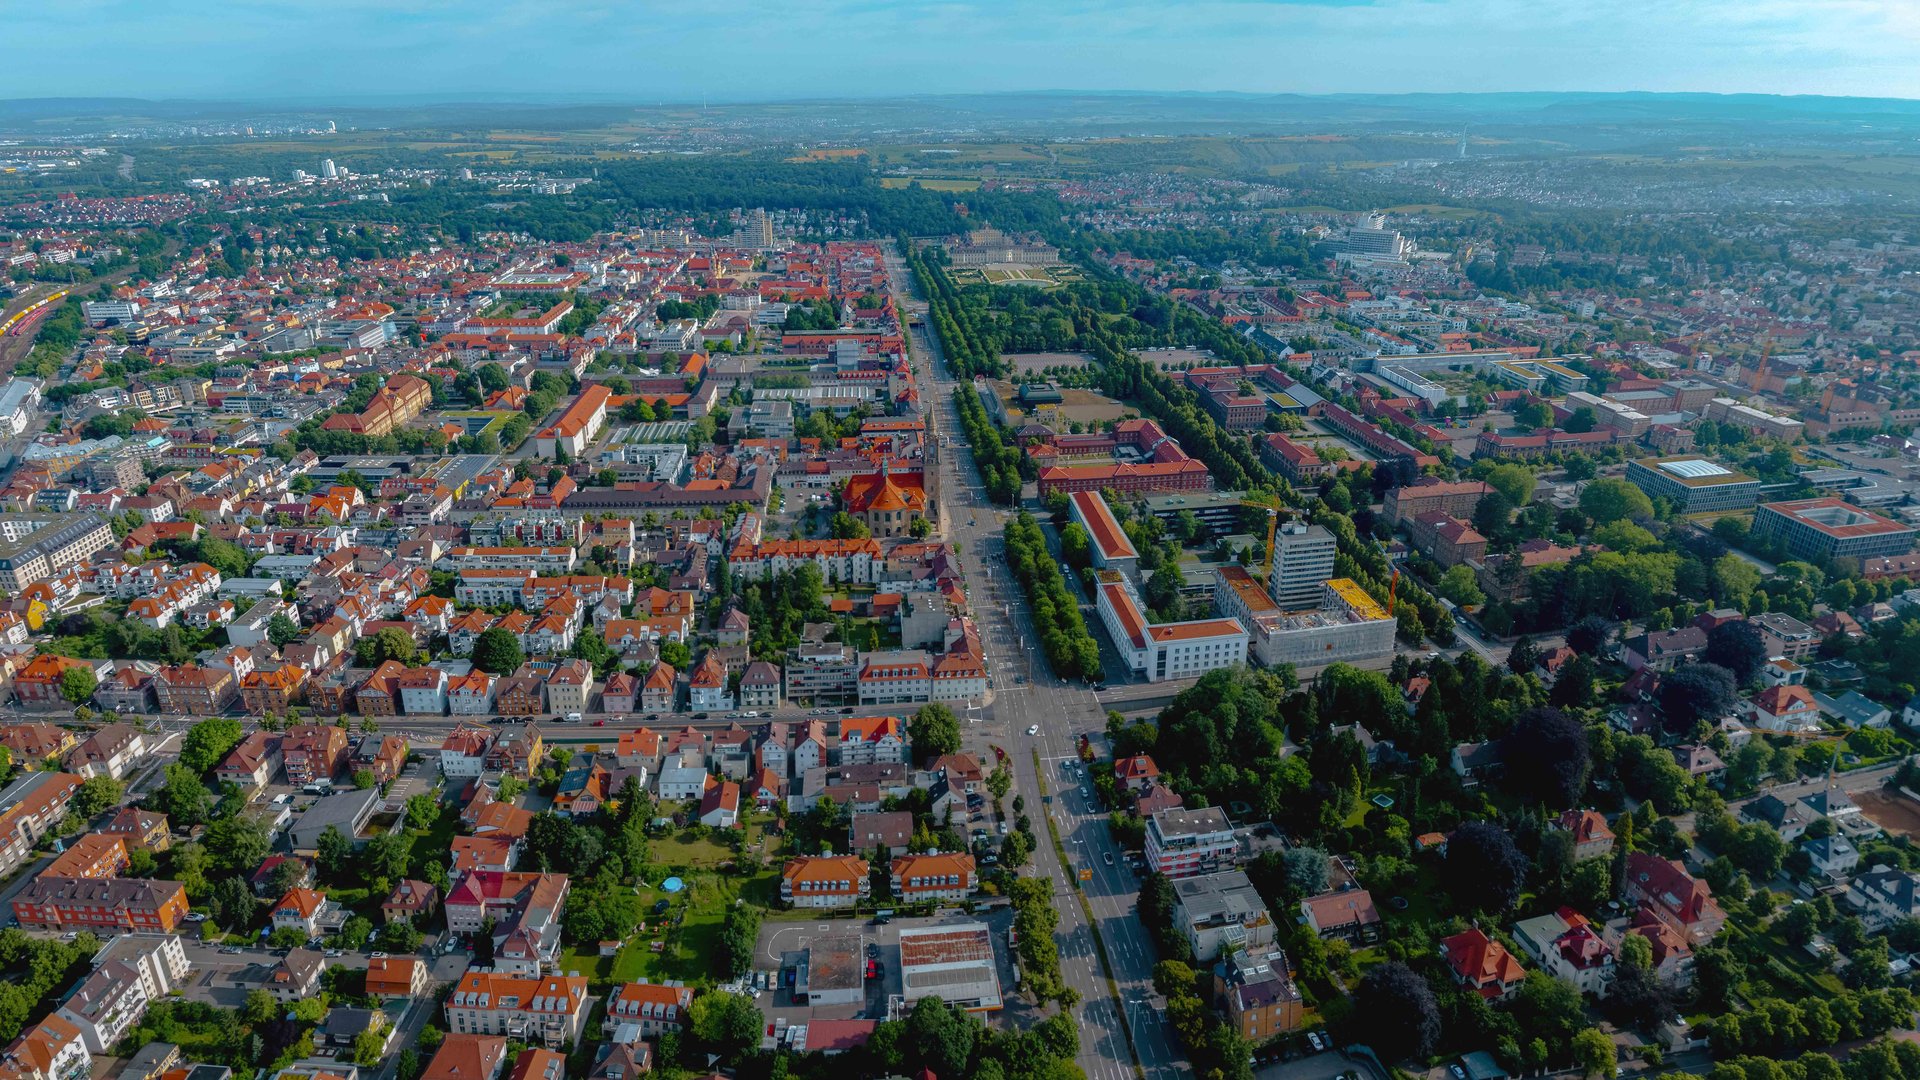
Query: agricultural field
(930, 183)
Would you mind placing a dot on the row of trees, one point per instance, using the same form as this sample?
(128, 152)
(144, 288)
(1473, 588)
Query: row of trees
(967, 352)
(1069, 647)
(1003, 466)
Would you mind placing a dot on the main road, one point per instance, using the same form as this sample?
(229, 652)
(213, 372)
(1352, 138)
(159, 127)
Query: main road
(1033, 716)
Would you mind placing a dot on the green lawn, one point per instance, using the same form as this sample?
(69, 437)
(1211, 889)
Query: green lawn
(678, 851)
(687, 951)
(433, 845)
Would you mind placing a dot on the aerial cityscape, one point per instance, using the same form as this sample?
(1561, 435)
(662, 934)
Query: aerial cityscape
(1002, 573)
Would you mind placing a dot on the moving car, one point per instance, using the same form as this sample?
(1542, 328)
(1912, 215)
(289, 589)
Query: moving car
(1033, 729)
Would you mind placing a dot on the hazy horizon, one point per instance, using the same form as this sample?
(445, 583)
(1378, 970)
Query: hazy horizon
(756, 51)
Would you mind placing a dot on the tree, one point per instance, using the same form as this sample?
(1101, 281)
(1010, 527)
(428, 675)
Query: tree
(96, 794)
(1075, 545)
(942, 1037)
(1524, 656)
(1593, 1054)
(1695, 692)
(676, 655)
(1459, 585)
(1610, 499)
(392, 643)
(845, 526)
(369, 1047)
(1553, 750)
(1738, 647)
(182, 797)
(1305, 870)
(282, 630)
(77, 684)
(497, 651)
(728, 1024)
(422, 811)
(1484, 869)
(935, 731)
(209, 741)
(1402, 1017)
(1589, 635)
(334, 856)
(1513, 480)
(260, 1008)
(737, 935)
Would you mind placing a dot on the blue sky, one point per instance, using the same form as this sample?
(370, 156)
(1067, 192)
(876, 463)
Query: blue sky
(649, 51)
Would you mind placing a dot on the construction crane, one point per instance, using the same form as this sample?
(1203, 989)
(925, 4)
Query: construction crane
(1273, 507)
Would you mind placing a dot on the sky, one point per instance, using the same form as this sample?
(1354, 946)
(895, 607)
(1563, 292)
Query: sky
(647, 51)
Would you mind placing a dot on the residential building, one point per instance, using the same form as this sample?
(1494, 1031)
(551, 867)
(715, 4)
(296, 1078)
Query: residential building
(1592, 838)
(1348, 914)
(195, 691)
(1676, 898)
(1221, 912)
(1566, 945)
(106, 1005)
(550, 1009)
(464, 1056)
(117, 905)
(708, 685)
(826, 881)
(1258, 994)
(1183, 843)
(463, 753)
(313, 752)
(1884, 895)
(933, 877)
(644, 1010)
(396, 977)
(1482, 964)
(889, 831)
(110, 751)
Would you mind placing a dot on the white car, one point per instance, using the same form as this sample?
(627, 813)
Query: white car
(1033, 729)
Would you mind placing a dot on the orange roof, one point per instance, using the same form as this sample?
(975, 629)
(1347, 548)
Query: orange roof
(818, 868)
(1131, 620)
(886, 492)
(1108, 537)
(1199, 628)
(1481, 961)
(303, 901)
(574, 421)
(642, 741)
(936, 867)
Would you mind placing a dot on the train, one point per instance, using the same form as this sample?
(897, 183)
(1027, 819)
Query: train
(19, 318)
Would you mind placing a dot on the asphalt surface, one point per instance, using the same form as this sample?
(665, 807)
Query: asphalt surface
(1025, 696)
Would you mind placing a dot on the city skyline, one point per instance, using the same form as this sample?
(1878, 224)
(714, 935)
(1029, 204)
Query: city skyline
(750, 50)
